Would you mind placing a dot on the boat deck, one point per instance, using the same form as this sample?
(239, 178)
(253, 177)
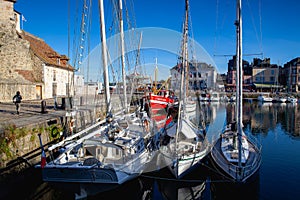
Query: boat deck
(249, 167)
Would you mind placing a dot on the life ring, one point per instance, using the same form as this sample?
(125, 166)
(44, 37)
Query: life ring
(147, 125)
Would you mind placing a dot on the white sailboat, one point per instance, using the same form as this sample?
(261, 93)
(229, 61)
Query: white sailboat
(264, 97)
(238, 157)
(107, 156)
(185, 144)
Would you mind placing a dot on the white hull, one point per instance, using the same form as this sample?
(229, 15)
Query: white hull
(263, 98)
(190, 151)
(97, 159)
(292, 100)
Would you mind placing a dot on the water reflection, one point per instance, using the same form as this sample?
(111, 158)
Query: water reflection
(261, 118)
(276, 125)
(258, 118)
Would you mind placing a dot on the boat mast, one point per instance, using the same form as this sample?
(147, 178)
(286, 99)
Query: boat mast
(182, 92)
(185, 56)
(104, 57)
(239, 73)
(123, 54)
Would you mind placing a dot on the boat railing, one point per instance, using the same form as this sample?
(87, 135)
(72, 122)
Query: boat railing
(234, 170)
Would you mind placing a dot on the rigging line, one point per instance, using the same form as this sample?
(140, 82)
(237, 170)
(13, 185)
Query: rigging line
(253, 23)
(230, 55)
(113, 76)
(89, 42)
(217, 20)
(217, 171)
(69, 17)
(183, 180)
(75, 34)
(260, 23)
(131, 24)
(191, 38)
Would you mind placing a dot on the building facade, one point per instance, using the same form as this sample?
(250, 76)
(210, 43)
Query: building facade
(201, 76)
(291, 70)
(28, 64)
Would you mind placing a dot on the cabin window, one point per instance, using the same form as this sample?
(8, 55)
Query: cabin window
(117, 152)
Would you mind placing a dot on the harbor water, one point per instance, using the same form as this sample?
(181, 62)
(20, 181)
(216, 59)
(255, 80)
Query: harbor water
(276, 126)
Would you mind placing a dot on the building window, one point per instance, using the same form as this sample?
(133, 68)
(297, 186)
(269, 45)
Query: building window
(272, 72)
(67, 89)
(272, 78)
(54, 89)
(54, 75)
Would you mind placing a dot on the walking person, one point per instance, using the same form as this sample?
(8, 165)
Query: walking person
(17, 100)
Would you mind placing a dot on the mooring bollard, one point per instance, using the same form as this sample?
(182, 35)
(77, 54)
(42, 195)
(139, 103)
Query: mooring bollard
(43, 106)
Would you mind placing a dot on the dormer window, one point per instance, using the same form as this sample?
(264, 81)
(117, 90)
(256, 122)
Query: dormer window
(58, 61)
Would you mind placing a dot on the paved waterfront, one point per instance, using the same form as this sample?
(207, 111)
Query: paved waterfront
(30, 113)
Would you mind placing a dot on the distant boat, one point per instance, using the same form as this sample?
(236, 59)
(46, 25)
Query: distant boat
(204, 97)
(232, 98)
(214, 97)
(236, 156)
(292, 99)
(279, 99)
(264, 97)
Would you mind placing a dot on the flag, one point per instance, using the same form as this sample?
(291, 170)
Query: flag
(23, 18)
(43, 156)
(43, 159)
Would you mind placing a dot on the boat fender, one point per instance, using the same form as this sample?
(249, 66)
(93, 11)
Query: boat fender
(147, 125)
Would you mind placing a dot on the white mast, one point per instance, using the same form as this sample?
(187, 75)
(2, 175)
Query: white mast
(104, 56)
(239, 72)
(183, 88)
(123, 54)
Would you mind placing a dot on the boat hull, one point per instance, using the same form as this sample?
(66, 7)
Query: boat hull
(183, 165)
(71, 178)
(230, 169)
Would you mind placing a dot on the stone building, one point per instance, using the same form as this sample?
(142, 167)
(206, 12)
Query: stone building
(201, 76)
(291, 75)
(27, 63)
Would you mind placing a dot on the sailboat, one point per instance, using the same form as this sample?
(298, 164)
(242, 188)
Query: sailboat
(108, 156)
(234, 153)
(183, 145)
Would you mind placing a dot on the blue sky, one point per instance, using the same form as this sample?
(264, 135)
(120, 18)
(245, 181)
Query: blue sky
(270, 27)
